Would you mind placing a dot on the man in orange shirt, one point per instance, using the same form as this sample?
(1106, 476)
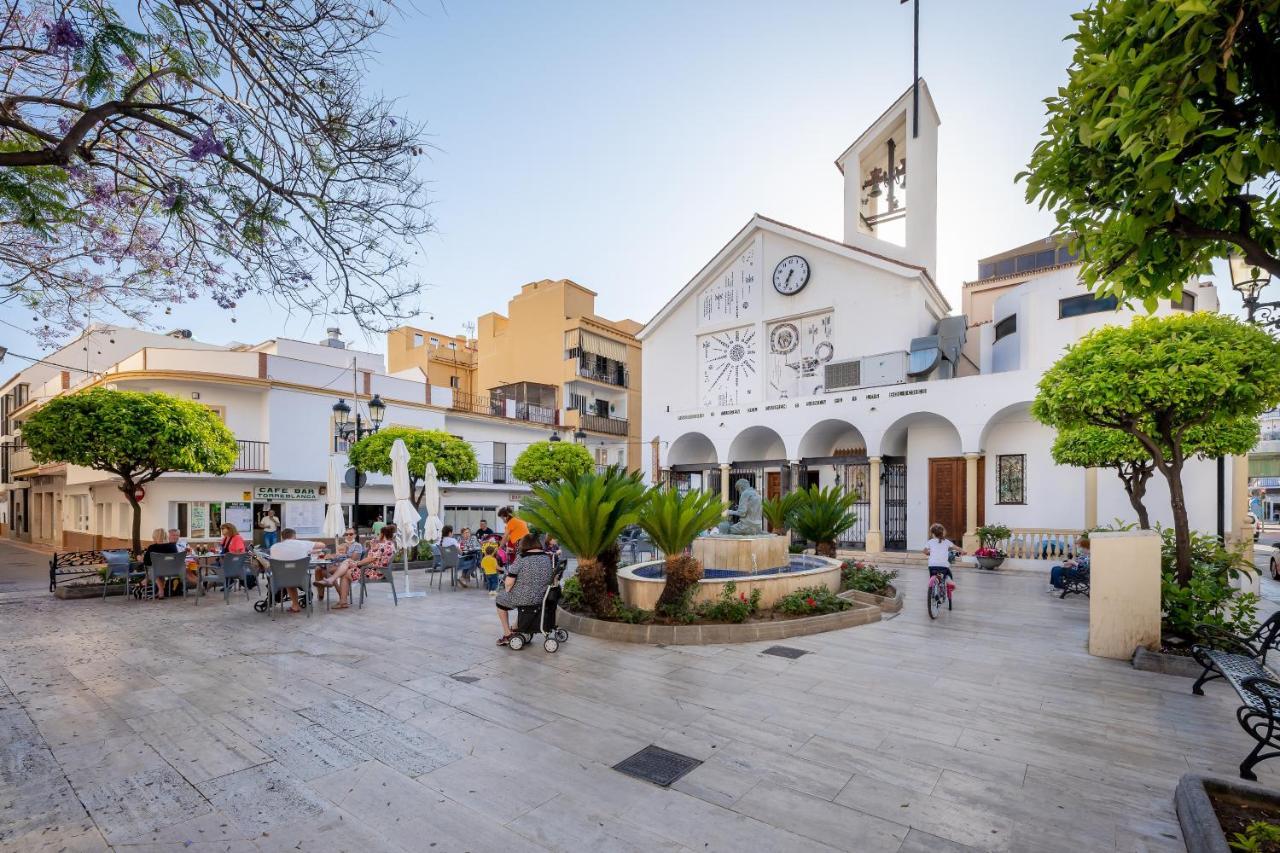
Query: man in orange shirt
(515, 529)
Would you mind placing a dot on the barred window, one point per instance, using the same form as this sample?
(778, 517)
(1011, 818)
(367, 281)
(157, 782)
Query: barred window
(1011, 483)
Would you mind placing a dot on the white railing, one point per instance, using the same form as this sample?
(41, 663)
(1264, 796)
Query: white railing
(1041, 543)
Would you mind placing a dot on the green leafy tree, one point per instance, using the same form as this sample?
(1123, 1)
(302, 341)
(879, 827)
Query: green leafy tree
(1160, 152)
(1099, 447)
(778, 511)
(673, 520)
(821, 515)
(552, 461)
(586, 513)
(1156, 380)
(454, 458)
(134, 435)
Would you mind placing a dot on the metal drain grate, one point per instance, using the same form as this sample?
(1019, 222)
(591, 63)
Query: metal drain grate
(657, 765)
(785, 652)
(465, 679)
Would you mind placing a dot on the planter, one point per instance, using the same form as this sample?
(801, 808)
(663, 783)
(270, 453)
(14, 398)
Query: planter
(989, 562)
(694, 635)
(1194, 799)
(86, 591)
(1180, 665)
(891, 603)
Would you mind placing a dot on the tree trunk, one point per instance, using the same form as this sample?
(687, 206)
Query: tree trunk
(682, 572)
(594, 594)
(129, 489)
(1135, 486)
(610, 558)
(1181, 526)
(824, 549)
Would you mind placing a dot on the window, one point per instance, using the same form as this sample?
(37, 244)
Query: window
(1007, 326)
(435, 342)
(453, 345)
(1087, 303)
(453, 382)
(602, 456)
(417, 339)
(196, 519)
(78, 512)
(1011, 484)
(1187, 303)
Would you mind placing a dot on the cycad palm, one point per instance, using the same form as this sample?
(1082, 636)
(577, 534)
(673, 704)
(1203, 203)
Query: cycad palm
(673, 520)
(821, 515)
(586, 514)
(778, 511)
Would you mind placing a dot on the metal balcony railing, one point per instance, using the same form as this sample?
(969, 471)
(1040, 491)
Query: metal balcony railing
(600, 423)
(484, 404)
(496, 473)
(252, 456)
(614, 375)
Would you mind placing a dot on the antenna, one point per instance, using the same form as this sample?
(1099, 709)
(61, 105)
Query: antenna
(470, 328)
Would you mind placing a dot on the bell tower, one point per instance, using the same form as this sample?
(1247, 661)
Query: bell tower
(891, 183)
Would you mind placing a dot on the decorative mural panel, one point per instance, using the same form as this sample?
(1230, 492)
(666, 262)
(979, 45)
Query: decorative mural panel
(729, 364)
(736, 295)
(1011, 485)
(797, 351)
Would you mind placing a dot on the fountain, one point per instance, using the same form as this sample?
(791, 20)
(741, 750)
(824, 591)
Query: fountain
(740, 551)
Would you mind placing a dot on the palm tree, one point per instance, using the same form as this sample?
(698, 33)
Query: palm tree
(673, 520)
(778, 511)
(821, 515)
(586, 513)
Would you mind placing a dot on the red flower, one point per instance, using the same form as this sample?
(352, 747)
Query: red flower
(810, 601)
(742, 595)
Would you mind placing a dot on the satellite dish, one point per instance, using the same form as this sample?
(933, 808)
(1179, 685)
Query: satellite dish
(355, 479)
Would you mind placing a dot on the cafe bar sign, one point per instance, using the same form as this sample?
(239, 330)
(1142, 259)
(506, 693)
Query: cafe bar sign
(285, 493)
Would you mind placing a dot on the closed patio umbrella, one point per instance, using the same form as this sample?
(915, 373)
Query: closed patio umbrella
(334, 524)
(431, 503)
(406, 514)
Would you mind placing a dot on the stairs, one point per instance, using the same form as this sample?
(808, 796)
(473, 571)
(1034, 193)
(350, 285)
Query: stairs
(896, 559)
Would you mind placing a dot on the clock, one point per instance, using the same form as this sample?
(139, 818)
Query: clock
(791, 275)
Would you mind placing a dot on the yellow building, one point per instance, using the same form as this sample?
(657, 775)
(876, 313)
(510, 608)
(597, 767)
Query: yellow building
(551, 358)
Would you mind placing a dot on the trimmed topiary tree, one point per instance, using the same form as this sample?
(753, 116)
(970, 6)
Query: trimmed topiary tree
(454, 458)
(136, 436)
(1156, 380)
(552, 461)
(673, 520)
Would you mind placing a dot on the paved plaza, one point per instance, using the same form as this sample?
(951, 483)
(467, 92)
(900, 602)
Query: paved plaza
(166, 726)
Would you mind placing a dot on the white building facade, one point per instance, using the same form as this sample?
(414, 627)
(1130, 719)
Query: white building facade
(277, 398)
(831, 362)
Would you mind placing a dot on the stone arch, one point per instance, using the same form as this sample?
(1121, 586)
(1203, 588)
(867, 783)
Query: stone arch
(1019, 411)
(756, 444)
(893, 441)
(825, 437)
(692, 448)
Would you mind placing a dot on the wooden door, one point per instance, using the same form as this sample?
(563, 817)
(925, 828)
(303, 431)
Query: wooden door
(773, 484)
(946, 495)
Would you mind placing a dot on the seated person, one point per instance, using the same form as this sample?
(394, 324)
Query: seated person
(291, 548)
(552, 547)
(369, 566)
(525, 584)
(349, 549)
(469, 547)
(1080, 562)
(160, 544)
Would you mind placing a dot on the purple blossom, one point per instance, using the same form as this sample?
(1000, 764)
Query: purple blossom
(207, 144)
(63, 36)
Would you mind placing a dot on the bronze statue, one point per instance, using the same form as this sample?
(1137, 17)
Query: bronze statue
(749, 514)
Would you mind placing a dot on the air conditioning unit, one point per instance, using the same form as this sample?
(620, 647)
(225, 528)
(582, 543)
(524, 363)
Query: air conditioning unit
(841, 375)
(886, 368)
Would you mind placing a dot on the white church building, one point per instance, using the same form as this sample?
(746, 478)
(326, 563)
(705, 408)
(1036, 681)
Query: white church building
(840, 362)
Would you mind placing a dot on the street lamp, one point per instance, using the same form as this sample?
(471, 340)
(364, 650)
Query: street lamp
(555, 436)
(580, 437)
(1249, 281)
(349, 433)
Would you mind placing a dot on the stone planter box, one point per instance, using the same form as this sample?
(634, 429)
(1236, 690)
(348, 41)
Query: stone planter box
(694, 635)
(1181, 665)
(989, 562)
(95, 591)
(643, 592)
(1201, 830)
(886, 603)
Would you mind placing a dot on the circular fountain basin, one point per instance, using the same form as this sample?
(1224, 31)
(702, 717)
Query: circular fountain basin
(642, 583)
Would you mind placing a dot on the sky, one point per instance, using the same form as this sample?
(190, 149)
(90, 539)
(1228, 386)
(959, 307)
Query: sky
(621, 144)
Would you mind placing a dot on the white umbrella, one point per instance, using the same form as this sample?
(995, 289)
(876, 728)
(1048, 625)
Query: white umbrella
(406, 514)
(431, 503)
(334, 524)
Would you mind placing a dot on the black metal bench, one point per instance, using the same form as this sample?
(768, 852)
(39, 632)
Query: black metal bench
(1241, 661)
(73, 565)
(1075, 581)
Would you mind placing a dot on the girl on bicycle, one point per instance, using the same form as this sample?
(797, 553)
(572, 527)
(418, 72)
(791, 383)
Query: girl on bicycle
(939, 550)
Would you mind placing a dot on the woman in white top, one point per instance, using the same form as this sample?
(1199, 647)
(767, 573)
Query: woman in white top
(939, 549)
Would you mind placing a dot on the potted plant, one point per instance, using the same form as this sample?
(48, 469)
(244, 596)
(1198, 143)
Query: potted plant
(673, 520)
(989, 536)
(821, 515)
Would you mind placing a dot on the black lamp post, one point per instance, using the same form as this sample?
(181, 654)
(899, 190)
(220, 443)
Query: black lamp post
(1249, 281)
(344, 430)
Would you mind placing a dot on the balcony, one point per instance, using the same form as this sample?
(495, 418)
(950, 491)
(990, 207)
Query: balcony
(500, 407)
(252, 456)
(496, 473)
(600, 369)
(19, 457)
(600, 423)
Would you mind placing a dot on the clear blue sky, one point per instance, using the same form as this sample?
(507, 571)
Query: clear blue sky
(621, 144)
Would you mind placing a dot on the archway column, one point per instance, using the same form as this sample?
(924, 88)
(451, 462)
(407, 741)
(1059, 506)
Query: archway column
(1090, 498)
(793, 476)
(1240, 501)
(724, 483)
(875, 536)
(970, 540)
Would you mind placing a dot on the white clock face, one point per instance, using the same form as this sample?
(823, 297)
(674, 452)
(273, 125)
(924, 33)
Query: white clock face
(790, 275)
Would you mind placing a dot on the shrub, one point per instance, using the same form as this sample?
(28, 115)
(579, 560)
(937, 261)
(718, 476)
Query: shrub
(811, 601)
(777, 511)
(571, 595)
(821, 515)
(990, 534)
(795, 548)
(1208, 598)
(865, 577)
(731, 606)
(680, 610)
(1257, 837)
(624, 612)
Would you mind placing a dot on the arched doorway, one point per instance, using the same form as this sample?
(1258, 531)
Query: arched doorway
(692, 463)
(933, 476)
(759, 455)
(833, 453)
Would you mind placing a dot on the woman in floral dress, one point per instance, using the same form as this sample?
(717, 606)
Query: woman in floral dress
(370, 568)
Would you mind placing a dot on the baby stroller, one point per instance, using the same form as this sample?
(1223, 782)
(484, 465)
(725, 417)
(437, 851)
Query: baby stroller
(541, 620)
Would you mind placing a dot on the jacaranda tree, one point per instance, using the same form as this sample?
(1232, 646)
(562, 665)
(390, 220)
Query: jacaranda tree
(134, 435)
(1156, 380)
(162, 150)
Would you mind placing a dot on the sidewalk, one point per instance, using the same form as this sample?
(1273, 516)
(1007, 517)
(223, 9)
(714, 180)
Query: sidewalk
(24, 571)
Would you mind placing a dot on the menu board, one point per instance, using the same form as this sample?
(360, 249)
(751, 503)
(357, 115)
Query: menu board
(306, 517)
(198, 518)
(239, 514)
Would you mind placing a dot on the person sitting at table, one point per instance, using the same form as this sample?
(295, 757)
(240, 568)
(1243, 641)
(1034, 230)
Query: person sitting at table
(160, 544)
(351, 551)
(370, 566)
(292, 548)
(469, 547)
(484, 530)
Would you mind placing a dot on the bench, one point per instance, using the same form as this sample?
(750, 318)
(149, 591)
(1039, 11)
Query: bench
(1075, 582)
(74, 565)
(1241, 661)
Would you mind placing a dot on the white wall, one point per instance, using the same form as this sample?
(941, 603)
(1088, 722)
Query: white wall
(924, 442)
(1054, 494)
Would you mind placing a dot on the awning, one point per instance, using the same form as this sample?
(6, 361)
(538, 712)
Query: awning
(595, 344)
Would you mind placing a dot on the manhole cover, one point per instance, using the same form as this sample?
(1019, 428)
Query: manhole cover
(657, 765)
(465, 679)
(785, 652)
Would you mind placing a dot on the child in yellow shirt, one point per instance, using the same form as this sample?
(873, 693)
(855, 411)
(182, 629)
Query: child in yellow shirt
(489, 565)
